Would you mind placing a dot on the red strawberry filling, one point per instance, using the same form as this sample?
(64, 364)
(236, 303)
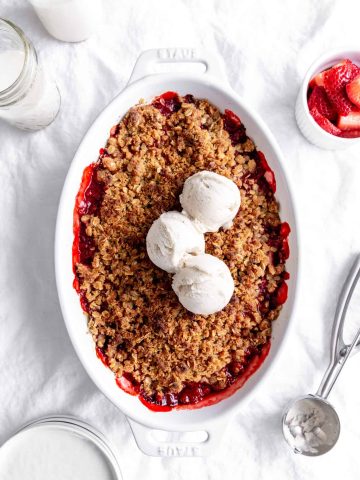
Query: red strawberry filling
(89, 200)
(199, 393)
(167, 103)
(234, 127)
(195, 393)
(334, 99)
(267, 172)
(284, 230)
(281, 294)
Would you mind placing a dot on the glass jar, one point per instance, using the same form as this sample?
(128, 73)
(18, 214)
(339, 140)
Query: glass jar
(28, 100)
(58, 447)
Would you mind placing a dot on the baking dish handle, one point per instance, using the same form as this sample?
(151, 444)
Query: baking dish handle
(150, 60)
(175, 444)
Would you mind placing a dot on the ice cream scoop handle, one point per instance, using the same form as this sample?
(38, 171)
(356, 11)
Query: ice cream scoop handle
(340, 351)
(334, 369)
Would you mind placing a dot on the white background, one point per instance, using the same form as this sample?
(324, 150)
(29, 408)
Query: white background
(267, 47)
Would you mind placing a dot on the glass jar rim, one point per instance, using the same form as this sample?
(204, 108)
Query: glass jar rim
(9, 91)
(80, 428)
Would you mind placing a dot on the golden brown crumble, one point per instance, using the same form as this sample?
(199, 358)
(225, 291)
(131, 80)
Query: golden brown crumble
(133, 314)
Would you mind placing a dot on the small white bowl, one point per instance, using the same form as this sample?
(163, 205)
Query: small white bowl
(310, 129)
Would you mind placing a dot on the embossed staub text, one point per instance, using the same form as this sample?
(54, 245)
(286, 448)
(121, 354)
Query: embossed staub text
(178, 451)
(176, 53)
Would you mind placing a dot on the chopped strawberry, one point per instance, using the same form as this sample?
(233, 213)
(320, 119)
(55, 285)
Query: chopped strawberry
(270, 178)
(335, 81)
(349, 122)
(317, 80)
(102, 356)
(350, 134)
(353, 91)
(281, 294)
(268, 173)
(285, 230)
(286, 275)
(232, 119)
(319, 100)
(167, 103)
(355, 71)
(324, 123)
(234, 127)
(114, 130)
(285, 249)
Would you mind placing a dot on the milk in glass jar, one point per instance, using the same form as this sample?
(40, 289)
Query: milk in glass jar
(69, 20)
(28, 99)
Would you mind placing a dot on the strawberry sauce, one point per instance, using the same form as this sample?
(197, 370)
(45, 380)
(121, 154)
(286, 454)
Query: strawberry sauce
(234, 127)
(198, 395)
(167, 103)
(88, 201)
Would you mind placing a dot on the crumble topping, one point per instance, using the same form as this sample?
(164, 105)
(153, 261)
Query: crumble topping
(134, 316)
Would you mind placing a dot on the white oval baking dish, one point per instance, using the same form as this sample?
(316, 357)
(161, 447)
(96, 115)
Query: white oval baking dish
(144, 83)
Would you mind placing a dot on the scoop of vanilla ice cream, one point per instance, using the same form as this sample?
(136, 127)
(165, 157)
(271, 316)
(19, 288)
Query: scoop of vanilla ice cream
(204, 284)
(210, 200)
(171, 238)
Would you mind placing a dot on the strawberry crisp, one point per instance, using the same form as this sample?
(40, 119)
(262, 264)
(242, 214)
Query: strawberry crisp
(156, 348)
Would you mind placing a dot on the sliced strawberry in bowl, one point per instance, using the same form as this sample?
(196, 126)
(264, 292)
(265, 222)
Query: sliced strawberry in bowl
(350, 134)
(318, 99)
(317, 80)
(335, 81)
(355, 71)
(324, 123)
(350, 121)
(330, 92)
(353, 91)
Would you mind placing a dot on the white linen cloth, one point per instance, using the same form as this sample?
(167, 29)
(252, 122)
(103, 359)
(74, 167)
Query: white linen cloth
(267, 47)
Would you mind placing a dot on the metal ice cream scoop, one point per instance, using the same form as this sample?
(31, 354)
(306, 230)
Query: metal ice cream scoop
(311, 425)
